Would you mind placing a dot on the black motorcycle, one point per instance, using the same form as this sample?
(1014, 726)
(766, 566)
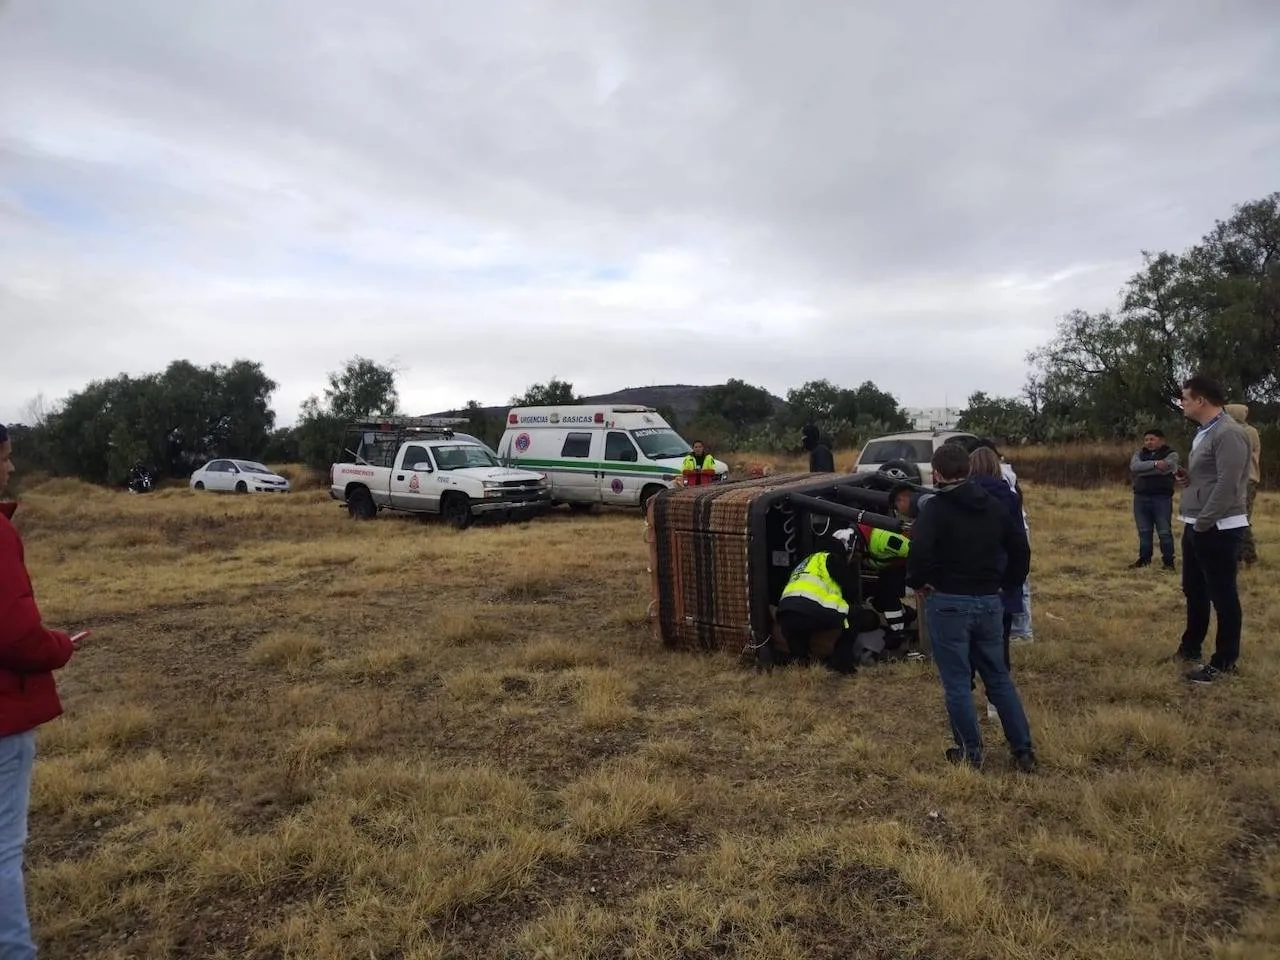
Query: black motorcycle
(141, 480)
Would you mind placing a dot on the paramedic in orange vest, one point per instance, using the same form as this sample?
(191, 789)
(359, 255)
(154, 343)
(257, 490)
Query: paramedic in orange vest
(699, 467)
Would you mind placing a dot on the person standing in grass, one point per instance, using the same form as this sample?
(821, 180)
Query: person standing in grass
(986, 471)
(1239, 412)
(29, 652)
(1153, 467)
(966, 548)
(1214, 512)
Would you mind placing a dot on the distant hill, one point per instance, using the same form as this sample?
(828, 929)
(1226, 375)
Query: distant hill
(681, 398)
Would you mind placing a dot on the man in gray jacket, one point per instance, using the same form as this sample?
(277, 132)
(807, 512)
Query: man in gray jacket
(1214, 514)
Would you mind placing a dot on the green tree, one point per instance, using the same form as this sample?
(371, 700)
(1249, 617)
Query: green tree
(738, 403)
(555, 392)
(1214, 308)
(1008, 419)
(361, 389)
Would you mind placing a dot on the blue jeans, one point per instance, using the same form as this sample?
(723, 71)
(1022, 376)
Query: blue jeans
(1153, 512)
(967, 634)
(1022, 621)
(17, 755)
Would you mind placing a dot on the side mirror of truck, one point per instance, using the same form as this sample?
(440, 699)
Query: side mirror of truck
(421, 467)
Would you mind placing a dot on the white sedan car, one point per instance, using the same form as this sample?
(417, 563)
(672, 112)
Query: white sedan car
(238, 476)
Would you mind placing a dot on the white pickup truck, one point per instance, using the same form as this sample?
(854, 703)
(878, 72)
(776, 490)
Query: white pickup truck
(417, 465)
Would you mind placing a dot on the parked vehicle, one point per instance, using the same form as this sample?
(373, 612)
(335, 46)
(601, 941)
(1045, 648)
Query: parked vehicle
(238, 476)
(620, 455)
(419, 465)
(904, 456)
(141, 479)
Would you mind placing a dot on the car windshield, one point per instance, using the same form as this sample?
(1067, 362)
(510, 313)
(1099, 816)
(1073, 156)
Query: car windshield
(248, 466)
(660, 443)
(459, 456)
(882, 451)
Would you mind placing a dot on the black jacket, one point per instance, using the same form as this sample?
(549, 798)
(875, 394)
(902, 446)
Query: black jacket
(967, 542)
(820, 459)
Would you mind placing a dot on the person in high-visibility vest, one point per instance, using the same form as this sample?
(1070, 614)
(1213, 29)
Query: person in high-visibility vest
(699, 467)
(886, 556)
(813, 602)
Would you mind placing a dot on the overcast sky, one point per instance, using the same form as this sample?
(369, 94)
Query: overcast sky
(618, 193)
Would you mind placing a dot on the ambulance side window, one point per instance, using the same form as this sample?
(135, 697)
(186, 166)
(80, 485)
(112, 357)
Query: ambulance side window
(618, 447)
(577, 445)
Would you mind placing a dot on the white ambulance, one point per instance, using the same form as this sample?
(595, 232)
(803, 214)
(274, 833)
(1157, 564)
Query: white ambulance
(612, 454)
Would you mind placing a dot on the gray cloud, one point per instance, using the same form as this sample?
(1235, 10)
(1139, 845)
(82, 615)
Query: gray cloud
(497, 192)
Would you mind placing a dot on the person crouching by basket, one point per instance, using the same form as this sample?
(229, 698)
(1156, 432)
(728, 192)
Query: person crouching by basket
(813, 614)
(965, 549)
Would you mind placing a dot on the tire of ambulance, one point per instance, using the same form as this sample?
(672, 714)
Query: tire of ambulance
(360, 505)
(456, 510)
(901, 470)
(647, 494)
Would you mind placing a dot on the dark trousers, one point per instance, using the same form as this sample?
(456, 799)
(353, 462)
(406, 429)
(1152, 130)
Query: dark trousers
(1153, 512)
(800, 628)
(886, 600)
(1209, 563)
(1248, 548)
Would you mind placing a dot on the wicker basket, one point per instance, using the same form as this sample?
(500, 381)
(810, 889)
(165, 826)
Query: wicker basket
(719, 558)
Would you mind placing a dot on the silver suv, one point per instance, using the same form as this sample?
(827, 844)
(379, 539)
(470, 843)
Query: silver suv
(905, 456)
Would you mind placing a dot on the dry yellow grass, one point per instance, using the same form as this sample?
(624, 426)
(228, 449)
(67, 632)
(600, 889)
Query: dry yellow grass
(298, 736)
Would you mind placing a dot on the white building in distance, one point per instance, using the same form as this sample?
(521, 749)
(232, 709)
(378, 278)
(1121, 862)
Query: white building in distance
(933, 418)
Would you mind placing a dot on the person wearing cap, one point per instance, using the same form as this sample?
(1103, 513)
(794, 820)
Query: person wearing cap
(814, 603)
(820, 458)
(29, 653)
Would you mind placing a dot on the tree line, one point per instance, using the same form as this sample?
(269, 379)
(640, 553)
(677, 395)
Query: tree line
(1214, 308)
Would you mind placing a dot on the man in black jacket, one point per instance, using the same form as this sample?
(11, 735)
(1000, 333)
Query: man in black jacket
(820, 459)
(1153, 467)
(966, 547)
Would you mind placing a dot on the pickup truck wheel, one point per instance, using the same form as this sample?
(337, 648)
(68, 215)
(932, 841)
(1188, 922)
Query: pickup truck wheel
(456, 510)
(360, 505)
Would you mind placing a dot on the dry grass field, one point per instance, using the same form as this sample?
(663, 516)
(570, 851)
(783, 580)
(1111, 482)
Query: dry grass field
(293, 735)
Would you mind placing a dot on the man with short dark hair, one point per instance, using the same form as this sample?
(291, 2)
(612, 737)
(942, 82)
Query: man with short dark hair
(1152, 468)
(1214, 514)
(965, 548)
(699, 467)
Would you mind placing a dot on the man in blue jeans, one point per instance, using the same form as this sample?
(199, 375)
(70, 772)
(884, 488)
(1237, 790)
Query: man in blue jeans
(1153, 467)
(965, 548)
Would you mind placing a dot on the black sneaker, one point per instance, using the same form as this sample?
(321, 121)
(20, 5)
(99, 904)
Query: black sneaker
(1025, 761)
(1209, 673)
(1138, 564)
(1168, 565)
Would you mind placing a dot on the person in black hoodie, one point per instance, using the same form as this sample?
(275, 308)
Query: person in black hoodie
(820, 459)
(1152, 468)
(965, 549)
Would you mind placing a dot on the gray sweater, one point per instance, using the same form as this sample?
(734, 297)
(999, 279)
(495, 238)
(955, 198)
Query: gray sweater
(1218, 475)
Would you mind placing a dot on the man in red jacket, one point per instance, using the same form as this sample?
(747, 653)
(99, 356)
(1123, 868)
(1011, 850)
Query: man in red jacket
(28, 697)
